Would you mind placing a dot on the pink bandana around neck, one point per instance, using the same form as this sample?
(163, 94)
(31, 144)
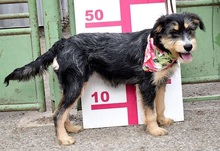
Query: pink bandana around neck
(156, 60)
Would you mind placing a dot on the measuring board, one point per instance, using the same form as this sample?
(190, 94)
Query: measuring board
(103, 105)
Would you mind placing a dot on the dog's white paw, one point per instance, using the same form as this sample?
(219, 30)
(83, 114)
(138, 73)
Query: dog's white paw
(67, 140)
(165, 121)
(73, 128)
(157, 131)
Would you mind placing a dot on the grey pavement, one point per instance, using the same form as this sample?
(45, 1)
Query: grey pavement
(32, 130)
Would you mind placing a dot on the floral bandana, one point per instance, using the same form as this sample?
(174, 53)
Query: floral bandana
(156, 60)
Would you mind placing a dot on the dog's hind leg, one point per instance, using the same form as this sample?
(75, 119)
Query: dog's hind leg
(72, 128)
(72, 89)
(60, 116)
(148, 92)
(160, 107)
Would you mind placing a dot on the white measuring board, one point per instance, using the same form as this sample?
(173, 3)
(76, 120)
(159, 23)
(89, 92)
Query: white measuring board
(103, 105)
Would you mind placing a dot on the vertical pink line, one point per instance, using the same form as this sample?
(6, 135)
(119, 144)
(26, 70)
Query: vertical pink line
(125, 15)
(126, 12)
(132, 104)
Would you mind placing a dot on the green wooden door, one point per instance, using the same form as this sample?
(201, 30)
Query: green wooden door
(19, 46)
(206, 64)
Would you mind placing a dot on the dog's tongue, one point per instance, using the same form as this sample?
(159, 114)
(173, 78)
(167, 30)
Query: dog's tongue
(186, 57)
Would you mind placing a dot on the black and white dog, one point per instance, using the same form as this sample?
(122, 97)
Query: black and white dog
(146, 58)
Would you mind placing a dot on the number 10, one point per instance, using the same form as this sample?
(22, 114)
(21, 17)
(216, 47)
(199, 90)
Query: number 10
(104, 96)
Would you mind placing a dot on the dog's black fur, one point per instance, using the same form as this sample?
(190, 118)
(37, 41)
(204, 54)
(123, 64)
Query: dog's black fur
(118, 58)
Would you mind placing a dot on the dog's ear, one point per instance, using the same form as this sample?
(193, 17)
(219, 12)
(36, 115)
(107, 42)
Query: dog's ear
(196, 20)
(158, 26)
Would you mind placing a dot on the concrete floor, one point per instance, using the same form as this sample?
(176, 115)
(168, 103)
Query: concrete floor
(31, 130)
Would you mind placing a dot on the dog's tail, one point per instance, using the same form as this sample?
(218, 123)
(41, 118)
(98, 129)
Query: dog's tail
(37, 67)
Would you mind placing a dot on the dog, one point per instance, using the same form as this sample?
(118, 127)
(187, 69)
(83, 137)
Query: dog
(146, 58)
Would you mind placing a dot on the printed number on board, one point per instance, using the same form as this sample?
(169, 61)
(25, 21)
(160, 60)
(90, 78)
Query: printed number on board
(94, 15)
(104, 96)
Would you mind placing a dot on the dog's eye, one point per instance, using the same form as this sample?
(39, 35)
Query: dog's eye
(174, 33)
(190, 31)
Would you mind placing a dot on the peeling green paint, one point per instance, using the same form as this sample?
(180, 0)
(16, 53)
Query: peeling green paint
(217, 40)
(1, 51)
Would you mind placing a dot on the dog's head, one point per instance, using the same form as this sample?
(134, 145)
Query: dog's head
(176, 33)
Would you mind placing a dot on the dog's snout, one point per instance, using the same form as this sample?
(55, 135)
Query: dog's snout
(188, 47)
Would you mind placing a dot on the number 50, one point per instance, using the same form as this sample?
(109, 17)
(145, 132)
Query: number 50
(97, 14)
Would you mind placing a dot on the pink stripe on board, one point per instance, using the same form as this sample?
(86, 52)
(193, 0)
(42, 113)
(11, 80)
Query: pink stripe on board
(125, 15)
(146, 1)
(109, 106)
(132, 104)
(103, 24)
(125, 11)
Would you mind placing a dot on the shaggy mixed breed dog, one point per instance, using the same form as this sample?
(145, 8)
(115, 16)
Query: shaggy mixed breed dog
(147, 58)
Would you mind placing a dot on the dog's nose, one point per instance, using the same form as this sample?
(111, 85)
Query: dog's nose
(188, 47)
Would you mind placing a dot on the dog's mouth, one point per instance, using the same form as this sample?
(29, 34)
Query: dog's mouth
(187, 57)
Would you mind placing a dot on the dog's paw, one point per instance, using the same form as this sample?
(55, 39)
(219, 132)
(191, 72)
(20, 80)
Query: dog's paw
(157, 131)
(165, 121)
(74, 128)
(67, 140)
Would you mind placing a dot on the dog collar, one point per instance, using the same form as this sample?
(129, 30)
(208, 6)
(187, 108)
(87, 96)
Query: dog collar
(156, 60)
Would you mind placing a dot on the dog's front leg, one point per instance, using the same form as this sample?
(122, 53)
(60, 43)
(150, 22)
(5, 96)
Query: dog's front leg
(151, 122)
(148, 92)
(160, 107)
